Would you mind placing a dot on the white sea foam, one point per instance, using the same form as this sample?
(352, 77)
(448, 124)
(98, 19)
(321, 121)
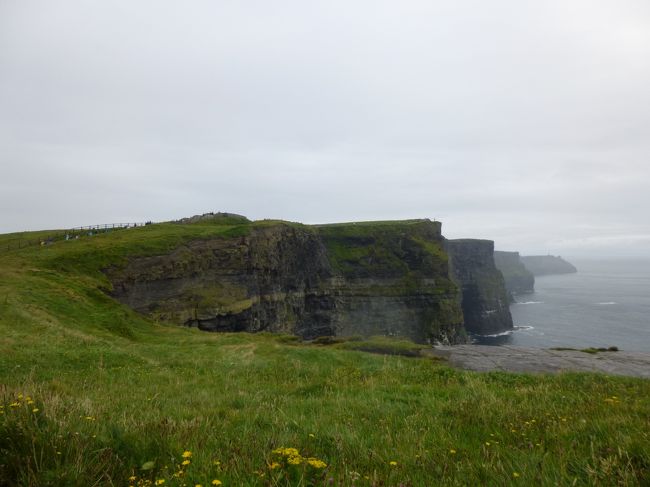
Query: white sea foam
(502, 334)
(507, 332)
(531, 302)
(606, 303)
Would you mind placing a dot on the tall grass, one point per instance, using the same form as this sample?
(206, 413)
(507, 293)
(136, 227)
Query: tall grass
(93, 394)
(374, 420)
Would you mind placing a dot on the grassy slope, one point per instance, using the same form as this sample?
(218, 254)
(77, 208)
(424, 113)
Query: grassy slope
(114, 391)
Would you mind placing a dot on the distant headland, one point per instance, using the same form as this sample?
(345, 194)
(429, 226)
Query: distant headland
(542, 265)
(519, 271)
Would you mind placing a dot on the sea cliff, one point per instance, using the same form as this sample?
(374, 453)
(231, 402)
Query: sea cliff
(364, 278)
(485, 300)
(518, 279)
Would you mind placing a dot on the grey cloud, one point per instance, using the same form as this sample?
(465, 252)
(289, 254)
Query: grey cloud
(524, 122)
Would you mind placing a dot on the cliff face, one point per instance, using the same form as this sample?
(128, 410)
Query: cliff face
(541, 265)
(485, 300)
(387, 278)
(267, 279)
(518, 279)
(393, 279)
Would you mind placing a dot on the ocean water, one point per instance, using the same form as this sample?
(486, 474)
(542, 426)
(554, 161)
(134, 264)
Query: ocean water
(607, 303)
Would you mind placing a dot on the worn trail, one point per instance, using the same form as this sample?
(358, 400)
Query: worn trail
(486, 358)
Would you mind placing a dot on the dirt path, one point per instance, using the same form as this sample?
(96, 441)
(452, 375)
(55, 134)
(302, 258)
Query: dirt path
(518, 359)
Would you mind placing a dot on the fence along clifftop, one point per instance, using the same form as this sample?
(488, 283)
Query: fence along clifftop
(63, 235)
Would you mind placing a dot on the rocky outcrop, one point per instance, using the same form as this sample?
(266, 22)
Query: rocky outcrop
(485, 358)
(542, 265)
(220, 217)
(518, 279)
(388, 278)
(485, 300)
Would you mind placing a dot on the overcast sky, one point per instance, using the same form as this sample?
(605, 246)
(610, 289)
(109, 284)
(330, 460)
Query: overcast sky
(525, 122)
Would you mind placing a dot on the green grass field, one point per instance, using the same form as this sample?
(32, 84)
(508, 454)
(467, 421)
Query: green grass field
(94, 394)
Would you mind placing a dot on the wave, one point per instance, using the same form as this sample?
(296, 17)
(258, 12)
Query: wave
(605, 303)
(502, 334)
(531, 302)
(507, 332)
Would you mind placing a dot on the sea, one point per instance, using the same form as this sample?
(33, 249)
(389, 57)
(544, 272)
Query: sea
(605, 304)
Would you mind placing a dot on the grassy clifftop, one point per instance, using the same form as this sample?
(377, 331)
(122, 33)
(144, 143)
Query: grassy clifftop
(95, 394)
(383, 248)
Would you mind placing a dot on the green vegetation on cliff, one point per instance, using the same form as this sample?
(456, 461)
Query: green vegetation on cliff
(384, 248)
(94, 393)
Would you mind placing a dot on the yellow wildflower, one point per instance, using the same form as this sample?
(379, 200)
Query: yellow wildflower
(316, 463)
(286, 452)
(515, 474)
(198, 485)
(35, 410)
(294, 460)
(452, 451)
(14, 405)
(392, 463)
(216, 482)
(132, 478)
(186, 462)
(274, 465)
(160, 481)
(187, 454)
